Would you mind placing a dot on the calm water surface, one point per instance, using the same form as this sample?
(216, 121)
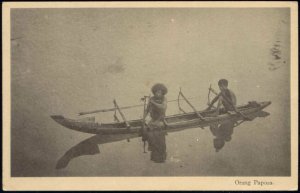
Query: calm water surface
(68, 61)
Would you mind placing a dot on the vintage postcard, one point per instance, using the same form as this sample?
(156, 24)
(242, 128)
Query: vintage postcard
(150, 95)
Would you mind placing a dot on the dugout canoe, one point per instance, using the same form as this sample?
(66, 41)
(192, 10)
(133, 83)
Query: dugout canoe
(175, 122)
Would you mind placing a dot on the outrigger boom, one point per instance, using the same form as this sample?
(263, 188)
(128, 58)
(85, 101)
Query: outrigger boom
(125, 107)
(174, 122)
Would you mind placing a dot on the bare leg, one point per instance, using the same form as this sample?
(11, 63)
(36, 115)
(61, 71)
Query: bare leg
(217, 110)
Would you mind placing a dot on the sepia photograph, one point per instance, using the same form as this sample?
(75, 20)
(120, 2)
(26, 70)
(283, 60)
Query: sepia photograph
(122, 91)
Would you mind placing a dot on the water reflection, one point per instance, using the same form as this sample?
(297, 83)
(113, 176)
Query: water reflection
(223, 132)
(90, 147)
(157, 146)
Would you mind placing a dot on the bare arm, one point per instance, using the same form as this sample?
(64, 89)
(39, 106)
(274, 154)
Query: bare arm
(213, 101)
(162, 105)
(234, 106)
(147, 110)
(233, 98)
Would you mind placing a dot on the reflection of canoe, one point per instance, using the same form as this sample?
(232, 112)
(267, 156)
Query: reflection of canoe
(91, 145)
(175, 122)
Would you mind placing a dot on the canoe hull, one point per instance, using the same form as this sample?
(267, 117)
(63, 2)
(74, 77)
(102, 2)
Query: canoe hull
(175, 122)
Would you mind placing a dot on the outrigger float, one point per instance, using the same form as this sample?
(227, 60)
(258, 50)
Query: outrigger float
(185, 120)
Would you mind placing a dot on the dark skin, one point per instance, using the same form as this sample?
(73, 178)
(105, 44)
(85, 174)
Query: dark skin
(158, 95)
(222, 89)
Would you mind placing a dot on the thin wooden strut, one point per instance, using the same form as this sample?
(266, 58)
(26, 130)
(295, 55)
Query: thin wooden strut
(188, 102)
(122, 115)
(115, 116)
(208, 96)
(178, 102)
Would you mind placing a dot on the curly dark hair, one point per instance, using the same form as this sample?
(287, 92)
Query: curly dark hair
(161, 87)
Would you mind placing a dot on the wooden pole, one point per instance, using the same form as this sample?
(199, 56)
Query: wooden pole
(213, 91)
(122, 115)
(188, 102)
(143, 131)
(127, 107)
(107, 110)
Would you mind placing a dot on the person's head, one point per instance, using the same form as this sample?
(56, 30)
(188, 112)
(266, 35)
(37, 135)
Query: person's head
(218, 143)
(159, 90)
(223, 84)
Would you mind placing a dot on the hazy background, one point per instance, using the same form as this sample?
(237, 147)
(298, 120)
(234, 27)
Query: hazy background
(65, 61)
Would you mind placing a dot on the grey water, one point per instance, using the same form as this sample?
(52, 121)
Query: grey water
(65, 61)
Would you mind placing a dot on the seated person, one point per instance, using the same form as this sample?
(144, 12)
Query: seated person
(226, 98)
